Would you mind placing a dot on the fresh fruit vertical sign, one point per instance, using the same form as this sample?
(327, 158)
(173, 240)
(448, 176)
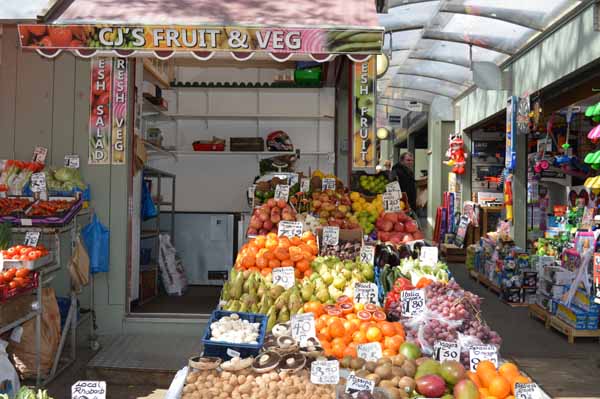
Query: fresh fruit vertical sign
(363, 131)
(100, 110)
(119, 111)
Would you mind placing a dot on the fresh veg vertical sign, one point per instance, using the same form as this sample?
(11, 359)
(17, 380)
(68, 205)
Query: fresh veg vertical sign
(363, 131)
(108, 111)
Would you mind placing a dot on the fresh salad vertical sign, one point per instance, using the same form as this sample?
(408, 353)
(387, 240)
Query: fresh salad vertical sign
(363, 132)
(108, 111)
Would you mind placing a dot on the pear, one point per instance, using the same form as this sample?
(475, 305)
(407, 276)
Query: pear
(254, 308)
(295, 302)
(272, 320)
(334, 292)
(225, 295)
(262, 290)
(282, 301)
(284, 316)
(276, 291)
(327, 277)
(307, 291)
(339, 282)
(243, 307)
(323, 295)
(235, 290)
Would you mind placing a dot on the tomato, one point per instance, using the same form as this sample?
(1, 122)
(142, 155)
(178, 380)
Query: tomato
(17, 247)
(33, 255)
(13, 285)
(22, 272)
(25, 251)
(61, 37)
(21, 282)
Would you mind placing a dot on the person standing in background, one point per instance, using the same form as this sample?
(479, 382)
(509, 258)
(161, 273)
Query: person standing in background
(404, 174)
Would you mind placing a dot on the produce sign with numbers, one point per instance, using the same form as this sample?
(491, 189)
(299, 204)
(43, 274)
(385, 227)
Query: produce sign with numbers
(304, 185)
(289, 229)
(391, 202)
(32, 238)
(527, 391)
(328, 184)
(325, 372)
(413, 302)
(72, 161)
(38, 182)
(303, 327)
(369, 352)
(282, 191)
(393, 187)
(444, 350)
(331, 235)
(355, 384)
(367, 254)
(39, 154)
(365, 293)
(479, 353)
(284, 276)
(429, 255)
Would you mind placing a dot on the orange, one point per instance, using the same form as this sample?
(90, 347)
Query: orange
(483, 393)
(295, 240)
(359, 337)
(296, 254)
(508, 371)
(350, 351)
(336, 329)
(282, 253)
(521, 379)
(483, 366)
(265, 271)
(302, 265)
(351, 316)
(315, 307)
(499, 387)
(399, 329)
(261, 262)
(393, 343)
(388, 329)
(486, 377)
(350, 327)
(473, 377)
(260, 241)
(491, 397)
(307, 273)
(510, 397)
(389, 352)
(307, 236)
(325, 334)
(287, 263)
(271, 244)
(297, 273)
(284, 242)
(338, 350)
(325, 344)
(273, 263)
(248, 261)
(272, 236)
(374, 334)
(254, 269)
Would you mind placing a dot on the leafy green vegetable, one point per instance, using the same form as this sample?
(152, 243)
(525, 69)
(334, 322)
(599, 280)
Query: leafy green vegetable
(5, 237)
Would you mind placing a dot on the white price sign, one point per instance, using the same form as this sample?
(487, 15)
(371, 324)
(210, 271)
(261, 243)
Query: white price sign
(444, 350)
(413, 302)
(478, 353)
(284, 276)
(303, 327)
(391, 202)
(527, 391)
(88, 390)
(331, 235)
(294, 178)
(251, 191)
(282, 191)
(32, 238)
(72, 161)
(289, 229)
(393, 187)
(367, 254)
(325, 372)
(328, 183)
(38, 184)
(355, 384)
(39, 154)
(371, 352)
(305, 185)
(233, 353)
(429, 255)
(365, 293)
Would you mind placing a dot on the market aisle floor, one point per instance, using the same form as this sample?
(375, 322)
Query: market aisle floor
(564, 370)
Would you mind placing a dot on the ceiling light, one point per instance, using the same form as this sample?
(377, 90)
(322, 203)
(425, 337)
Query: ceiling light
(382, 63)
(383, 133)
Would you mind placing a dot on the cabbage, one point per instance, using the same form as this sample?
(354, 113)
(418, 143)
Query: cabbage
(70, 178)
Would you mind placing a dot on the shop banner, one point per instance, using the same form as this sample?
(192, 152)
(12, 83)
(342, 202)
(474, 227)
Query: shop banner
(100, 110)
(363, 130)
(202, 38)
(119, 111)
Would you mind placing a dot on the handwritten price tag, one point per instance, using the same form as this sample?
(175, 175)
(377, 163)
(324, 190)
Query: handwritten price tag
(444, 350)
(38, 182)
(284, 276)
(289, 229)
(356, 384)
(282, 191)
(303, 327)
(39, 154)
(365, 293)
(331, 235)
(367, 254)
(370, 351)
(88, 390)
(413, 302)
(325, 372)
(391, 202)
(328, 184)
(32, 238)
(393, 187)
(293, 179)
(305, 185)
(478, 353)
(72, 161)
(429, 255)
(527, 391)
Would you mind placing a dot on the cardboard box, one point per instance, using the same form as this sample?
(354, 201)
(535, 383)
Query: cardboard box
(512, 295)
(573, 316)
(529, 279)
(585, 301)
(452, 253)
(558, 275)
(546, 302)
(15, 308)
(529, 295)
(346, 235)
(592, 322)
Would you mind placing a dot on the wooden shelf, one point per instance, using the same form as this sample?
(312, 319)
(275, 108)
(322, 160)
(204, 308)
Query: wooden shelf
(155, 75)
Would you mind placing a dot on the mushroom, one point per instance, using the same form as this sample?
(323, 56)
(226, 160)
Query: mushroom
(280, 329)
(292, 362)
(266, 362)
(204, 363)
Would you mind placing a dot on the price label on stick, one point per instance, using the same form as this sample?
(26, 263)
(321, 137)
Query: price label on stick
(429, 255)
(305, 185)
(444, 350)
(527, 391)
(331, 235)
(39, 154)
(325, 372)
(32, 238)
(369, 352)
(289, 229)
(393, 187)
(365, 293)
(355, 384)
(294, 179)
(478, 353)
(391, 202)
(72, 161)
(303, 327)
(251, 191)
(367, 254)
(38, 182)
(328, 183)
(413, 302)
(282, 191)
(284, 276)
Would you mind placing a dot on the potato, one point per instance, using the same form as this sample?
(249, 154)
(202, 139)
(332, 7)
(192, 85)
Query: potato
(186, 396)
(189, 389)
(241, 379)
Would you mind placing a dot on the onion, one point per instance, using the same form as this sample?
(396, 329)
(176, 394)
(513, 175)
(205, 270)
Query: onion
(263, 216)
(252, 231)
(255, 222)
(268, 225)
(271, 203)
(263, 232)
(275, 218)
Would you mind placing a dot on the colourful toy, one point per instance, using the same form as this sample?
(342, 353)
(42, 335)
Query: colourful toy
(456, 154)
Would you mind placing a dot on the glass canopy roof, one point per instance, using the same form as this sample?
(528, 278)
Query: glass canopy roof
(433, 43)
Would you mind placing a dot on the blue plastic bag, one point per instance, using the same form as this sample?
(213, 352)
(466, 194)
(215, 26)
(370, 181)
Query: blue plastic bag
(149, 210)
(96, 238)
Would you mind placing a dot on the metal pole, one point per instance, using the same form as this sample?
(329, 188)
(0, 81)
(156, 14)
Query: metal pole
(38, 332)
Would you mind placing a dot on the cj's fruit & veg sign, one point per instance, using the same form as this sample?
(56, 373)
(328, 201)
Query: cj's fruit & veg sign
(199, 38)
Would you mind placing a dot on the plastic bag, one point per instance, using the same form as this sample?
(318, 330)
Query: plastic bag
(149, 210)
(97, 238)
(9, 379)
(79, 266)
(23, 352)
(171, 269)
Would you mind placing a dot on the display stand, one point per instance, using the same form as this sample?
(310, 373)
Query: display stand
(45, 276)
(536, 311)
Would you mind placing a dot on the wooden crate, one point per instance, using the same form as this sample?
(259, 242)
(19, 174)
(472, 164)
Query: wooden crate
(452, 253)
(538, 312)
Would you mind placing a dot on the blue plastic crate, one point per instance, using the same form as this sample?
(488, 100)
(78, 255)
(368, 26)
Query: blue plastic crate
(85, 194)
(219, 349)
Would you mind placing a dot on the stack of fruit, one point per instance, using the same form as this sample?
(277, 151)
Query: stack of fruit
(497, 383)
(366, 212)
(373, 184)
(333, 209)
(397, 227)
(342, 327)
(332, 278)
(265, 218)
(264, 253)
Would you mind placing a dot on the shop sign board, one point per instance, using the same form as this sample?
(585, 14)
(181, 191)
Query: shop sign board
(365, 293)
(391, 201)
(282, 191)
(181, 38)
(363, 131)
(527, 391)
(289, 229)
(72, 161)
(328, 183)
(284, 276)
(32, 238)
(39, 154)
(100, 110)
(367, 254)
(331, 235)
(119, 111)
